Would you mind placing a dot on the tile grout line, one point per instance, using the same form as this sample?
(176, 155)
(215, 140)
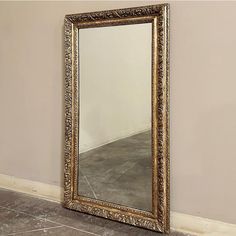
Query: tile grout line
(81, 230)
(94, 194)
(71, 227)
(45, 219)
(35, 230)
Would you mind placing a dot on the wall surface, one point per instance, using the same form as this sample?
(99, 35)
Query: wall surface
(115, 83)
(203, 98)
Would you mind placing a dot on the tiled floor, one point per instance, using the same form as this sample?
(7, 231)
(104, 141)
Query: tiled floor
(23, 215)
(119, 172)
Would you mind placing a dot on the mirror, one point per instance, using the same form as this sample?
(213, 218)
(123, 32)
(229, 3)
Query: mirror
(115, 163)
(116, 115)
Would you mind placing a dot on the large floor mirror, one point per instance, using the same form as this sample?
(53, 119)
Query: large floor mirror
(116, 115)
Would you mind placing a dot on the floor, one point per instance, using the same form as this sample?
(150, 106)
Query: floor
(119, 172)
(23, 215)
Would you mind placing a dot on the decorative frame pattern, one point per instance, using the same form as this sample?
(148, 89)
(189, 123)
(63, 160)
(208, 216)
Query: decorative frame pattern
(158, 15)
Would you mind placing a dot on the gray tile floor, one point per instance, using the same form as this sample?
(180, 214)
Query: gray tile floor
(119, 172)
(23, 215)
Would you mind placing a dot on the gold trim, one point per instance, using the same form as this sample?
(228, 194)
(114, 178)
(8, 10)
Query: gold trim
(158, 15)
(114, 22)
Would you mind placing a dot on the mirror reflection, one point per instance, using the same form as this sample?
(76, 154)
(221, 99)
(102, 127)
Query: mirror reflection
(115, 159)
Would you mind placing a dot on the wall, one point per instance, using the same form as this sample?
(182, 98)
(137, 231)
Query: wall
(203, 98)
(203, 109)
(115, 83)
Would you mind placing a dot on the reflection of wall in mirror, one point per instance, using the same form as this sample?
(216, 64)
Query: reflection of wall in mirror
(115, 83)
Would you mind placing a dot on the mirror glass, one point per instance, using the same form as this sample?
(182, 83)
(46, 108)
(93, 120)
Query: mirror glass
(115, 158)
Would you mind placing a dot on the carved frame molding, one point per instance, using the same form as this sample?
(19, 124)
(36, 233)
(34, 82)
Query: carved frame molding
(158, 15)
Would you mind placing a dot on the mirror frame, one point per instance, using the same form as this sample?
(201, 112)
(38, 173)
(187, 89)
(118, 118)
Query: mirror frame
(158, 16)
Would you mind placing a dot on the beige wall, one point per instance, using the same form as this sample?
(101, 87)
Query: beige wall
(203, 99)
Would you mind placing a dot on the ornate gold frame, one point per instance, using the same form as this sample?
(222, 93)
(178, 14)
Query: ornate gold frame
(158, 15)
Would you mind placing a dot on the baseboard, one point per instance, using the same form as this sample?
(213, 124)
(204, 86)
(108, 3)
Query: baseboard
(38, 189)
(185, 223)
(200, 226)
(82, 150)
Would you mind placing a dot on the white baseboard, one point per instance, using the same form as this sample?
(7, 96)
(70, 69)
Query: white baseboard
(189, 224)
(38, 189)
(200, 226)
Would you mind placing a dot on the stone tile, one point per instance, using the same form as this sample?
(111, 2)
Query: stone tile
(119, 172)
(25, 203)
(101, 226)
(59, 231)
(52, 212)
(85, 188)
(81, 221)
(12, 222)
(56, 214)
(118, 229)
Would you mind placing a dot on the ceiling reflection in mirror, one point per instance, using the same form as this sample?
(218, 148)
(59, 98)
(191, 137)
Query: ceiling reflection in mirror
(115, 159)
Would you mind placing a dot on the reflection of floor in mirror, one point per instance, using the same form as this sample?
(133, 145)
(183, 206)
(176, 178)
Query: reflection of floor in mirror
(119, 172)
